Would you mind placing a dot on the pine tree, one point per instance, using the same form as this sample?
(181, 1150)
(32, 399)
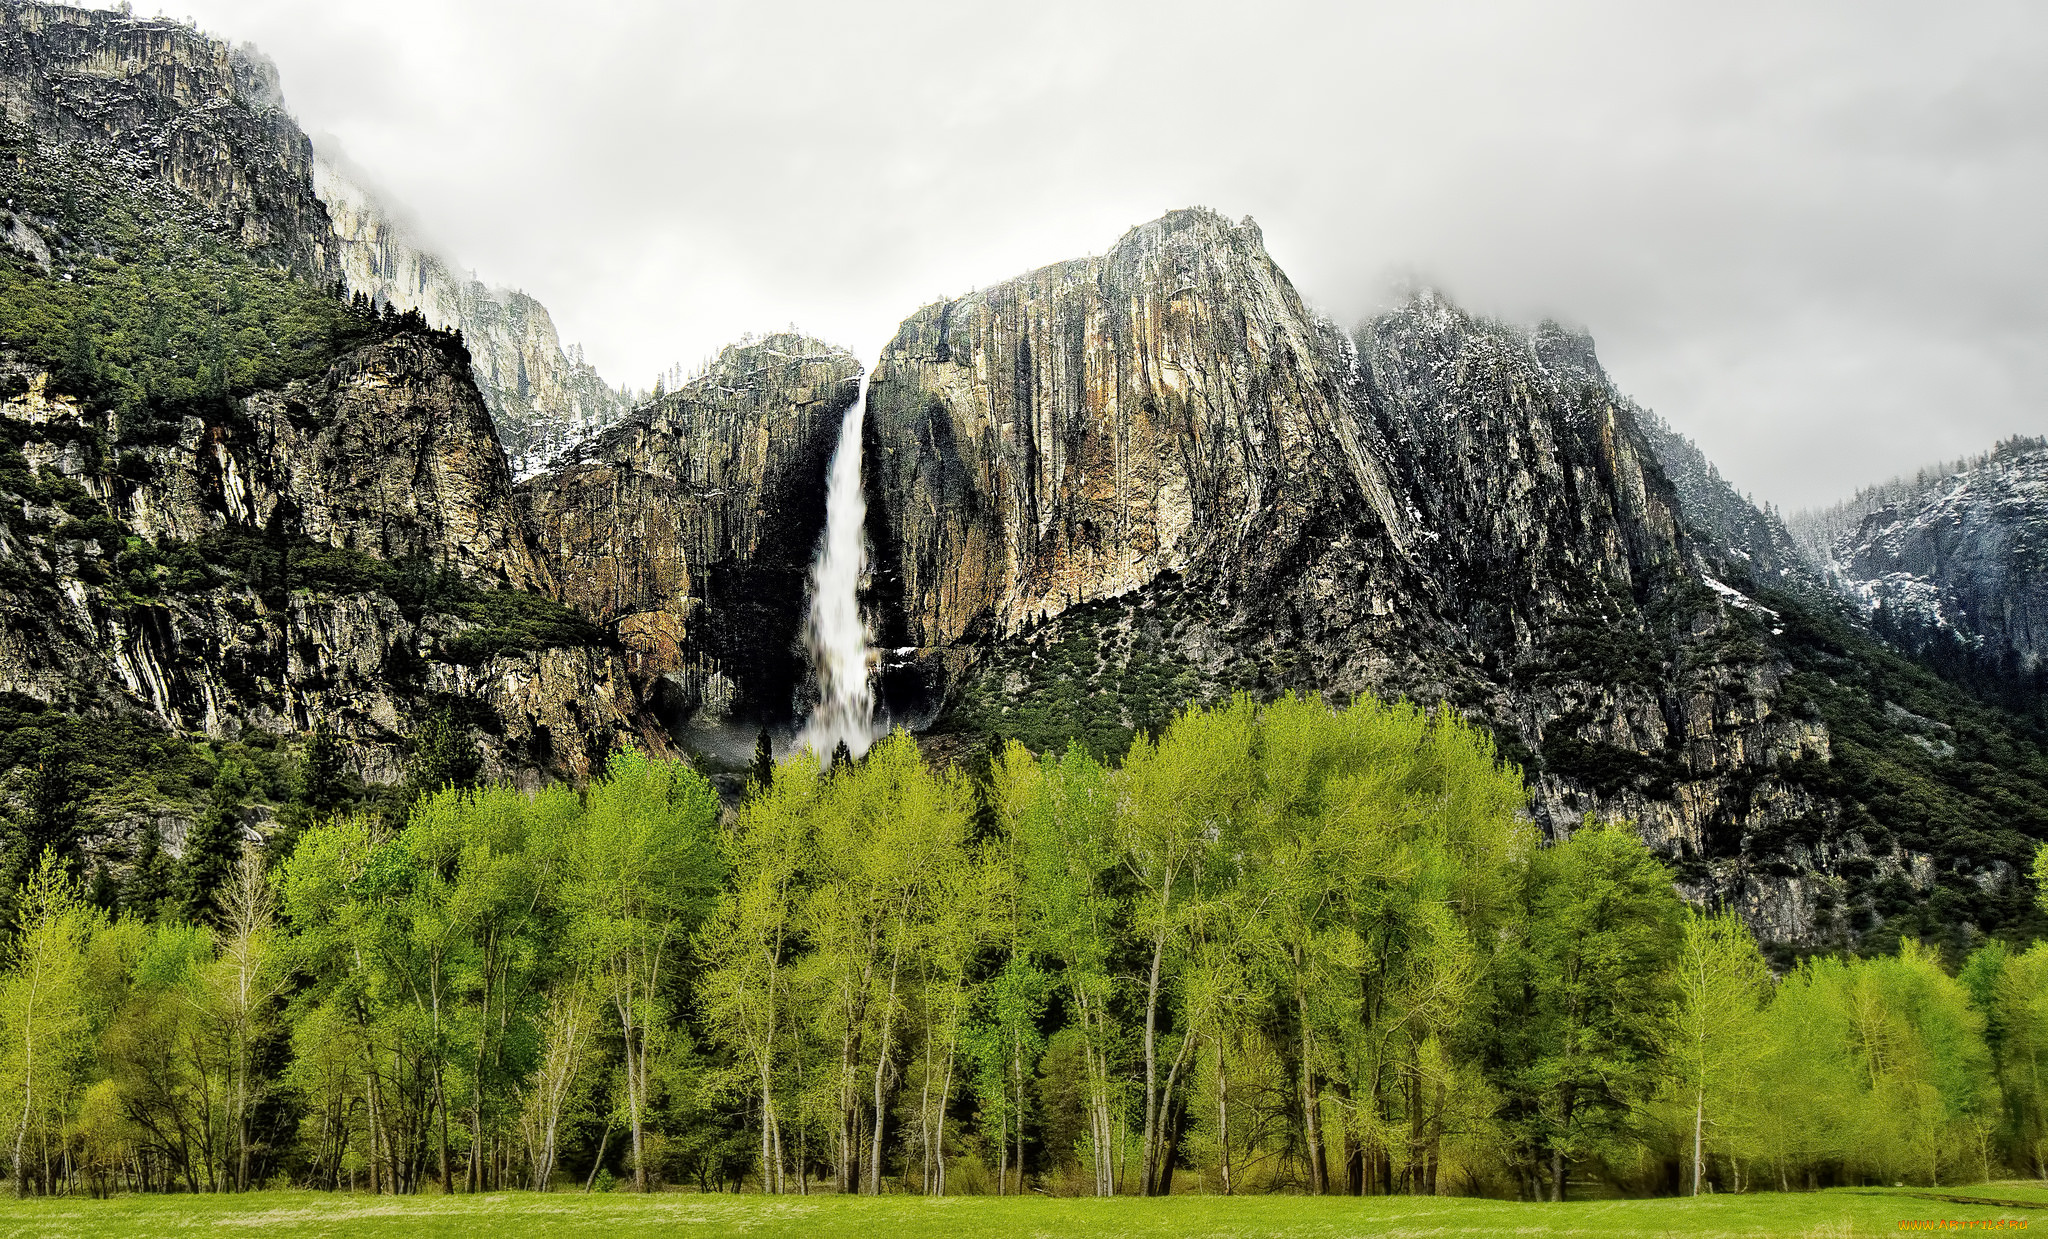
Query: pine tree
(762, 772)
(212, 846)
(149, 886)
(54, 800)
(82, 364)
(323, 781)
(106, 889)
(443, 756)
(842, 758)
(320, 789)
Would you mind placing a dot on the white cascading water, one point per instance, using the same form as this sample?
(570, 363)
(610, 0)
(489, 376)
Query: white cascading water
(835, 635)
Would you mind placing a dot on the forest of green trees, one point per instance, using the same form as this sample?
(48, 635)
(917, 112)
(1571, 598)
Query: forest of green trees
(1287, 947)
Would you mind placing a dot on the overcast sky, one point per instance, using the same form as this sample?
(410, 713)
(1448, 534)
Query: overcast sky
(1814, 236)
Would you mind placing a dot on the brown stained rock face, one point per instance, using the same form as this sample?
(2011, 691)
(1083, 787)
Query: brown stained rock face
(1072, 434)
(390, 453)
(689, 528)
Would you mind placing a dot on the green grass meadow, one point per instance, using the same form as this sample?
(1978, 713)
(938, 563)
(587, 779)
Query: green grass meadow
(1839, 1214)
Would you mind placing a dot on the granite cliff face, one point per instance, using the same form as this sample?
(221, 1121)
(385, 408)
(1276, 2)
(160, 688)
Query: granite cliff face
(688, 529)
(389, 453)
(1076, 433)
(1116, 484)
(158, 607)
(1961, 550)
(208, 117)
(541, 396)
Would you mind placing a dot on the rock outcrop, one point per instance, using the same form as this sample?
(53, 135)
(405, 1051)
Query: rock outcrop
(1961, 550)
(389, 459)
(1073, 434)
(541, 396)
(390, 453)
(688, 529)
(209, 117)
(1115, 484)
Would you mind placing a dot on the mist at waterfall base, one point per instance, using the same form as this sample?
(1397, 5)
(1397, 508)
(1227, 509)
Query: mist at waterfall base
(836, 635)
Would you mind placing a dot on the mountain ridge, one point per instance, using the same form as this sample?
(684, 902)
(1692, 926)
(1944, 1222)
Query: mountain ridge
(1096, 493)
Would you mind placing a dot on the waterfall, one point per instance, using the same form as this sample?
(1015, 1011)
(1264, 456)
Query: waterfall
(835, 635)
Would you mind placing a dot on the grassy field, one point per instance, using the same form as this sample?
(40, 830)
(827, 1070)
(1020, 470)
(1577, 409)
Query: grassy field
(1840, 1214)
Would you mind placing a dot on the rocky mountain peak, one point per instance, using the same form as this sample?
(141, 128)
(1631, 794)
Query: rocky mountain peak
(209, 116)
(1961, 549)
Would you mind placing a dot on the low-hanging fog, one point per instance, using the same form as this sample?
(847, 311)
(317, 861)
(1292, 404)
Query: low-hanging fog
(1808, 235)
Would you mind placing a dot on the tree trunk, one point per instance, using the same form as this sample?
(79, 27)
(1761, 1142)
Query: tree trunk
(28, 1094)
(1152, 1098)
(882, 1065)
(1017, 1062)
(1223, 1116)
(1176, 1121)
(1311, 1106)
(441, 1104)
(632, 1092)
(1436, 1139)
(1353, 1148)
(1699, 1123)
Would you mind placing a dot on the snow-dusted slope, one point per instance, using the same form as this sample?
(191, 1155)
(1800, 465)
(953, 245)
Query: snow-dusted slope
(1963, 548)
(1727, 525)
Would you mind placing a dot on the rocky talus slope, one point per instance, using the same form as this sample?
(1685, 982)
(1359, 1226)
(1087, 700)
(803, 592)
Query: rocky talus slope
(689, 528)
(542, 396)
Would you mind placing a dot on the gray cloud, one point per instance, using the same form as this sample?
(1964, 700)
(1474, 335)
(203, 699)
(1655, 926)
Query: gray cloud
(1809, 235)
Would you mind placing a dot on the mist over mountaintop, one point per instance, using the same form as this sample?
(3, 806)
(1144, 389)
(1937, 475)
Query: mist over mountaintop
(1800, 235)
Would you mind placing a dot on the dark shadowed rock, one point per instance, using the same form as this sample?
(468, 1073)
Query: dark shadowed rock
(688, 529)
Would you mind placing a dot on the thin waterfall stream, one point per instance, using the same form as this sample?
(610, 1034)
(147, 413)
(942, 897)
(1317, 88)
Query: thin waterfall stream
(835, 635)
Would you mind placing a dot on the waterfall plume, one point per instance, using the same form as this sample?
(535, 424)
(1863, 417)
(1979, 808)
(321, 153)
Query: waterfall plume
(835, 635)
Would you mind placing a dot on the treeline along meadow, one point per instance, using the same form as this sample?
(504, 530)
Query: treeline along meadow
(1286, 947)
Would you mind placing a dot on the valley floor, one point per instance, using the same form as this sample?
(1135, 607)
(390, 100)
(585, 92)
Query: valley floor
(1837, 1214)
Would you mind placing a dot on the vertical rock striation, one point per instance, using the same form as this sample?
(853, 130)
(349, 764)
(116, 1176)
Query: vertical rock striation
(1076, 433)
(688, 529)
